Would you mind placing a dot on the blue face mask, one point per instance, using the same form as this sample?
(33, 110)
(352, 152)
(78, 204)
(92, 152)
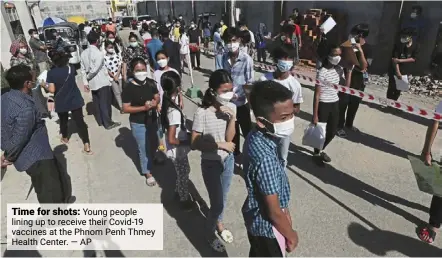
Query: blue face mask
(284, 65)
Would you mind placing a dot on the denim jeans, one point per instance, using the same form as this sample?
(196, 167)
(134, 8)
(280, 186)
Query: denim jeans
(283, 149)
(217, 178)
(140, 133)
(218, 62)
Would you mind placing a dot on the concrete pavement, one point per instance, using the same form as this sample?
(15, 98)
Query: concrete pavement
(365, 203)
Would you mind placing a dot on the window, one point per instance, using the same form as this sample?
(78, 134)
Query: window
(78, 8)
(59, 8)
(89, 7)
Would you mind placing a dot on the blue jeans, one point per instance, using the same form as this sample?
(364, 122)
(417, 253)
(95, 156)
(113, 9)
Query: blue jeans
(140, 133)
(218, 62)
(283, 148)
(217, 178)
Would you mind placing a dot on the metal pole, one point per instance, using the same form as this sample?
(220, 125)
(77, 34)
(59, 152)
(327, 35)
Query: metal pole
(232, 13)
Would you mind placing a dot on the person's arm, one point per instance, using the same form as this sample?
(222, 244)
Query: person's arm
(316, 96)
(95, 66)
(25, 122)
(83, 74)
(362, 61)
(230, 130)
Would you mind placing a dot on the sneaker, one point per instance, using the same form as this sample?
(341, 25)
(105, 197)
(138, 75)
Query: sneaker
(186, 205)
(354, 129)
(113, 125)
(325, 157)
(341, 133)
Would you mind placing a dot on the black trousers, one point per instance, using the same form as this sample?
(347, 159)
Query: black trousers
(349, 105)
(102, 99)
(244, 121)
(263, 246)
(436, 211)
(195, 55)
(77, 116)
(328, 113)
(47, 180)
(392, 92)
(261, 52)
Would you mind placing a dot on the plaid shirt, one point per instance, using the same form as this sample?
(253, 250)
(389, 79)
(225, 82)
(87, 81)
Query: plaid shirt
(265, 175)
(241, 72)
(24, 136)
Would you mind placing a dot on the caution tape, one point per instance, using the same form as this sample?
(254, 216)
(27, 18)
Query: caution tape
(428, 114)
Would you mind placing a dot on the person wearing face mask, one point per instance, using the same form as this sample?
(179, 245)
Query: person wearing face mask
(223, 27)
(177, 141)
(111, 26)
(265, 210)
(284, 56)
(96, 79)
(25, 140)
(57, 42)
(135, 49)
(39, 49)
(126, 31)
(112, 39)
(326, 99)
(176, 32)
(171, 48)
(416, 22)
(212, 134)
(153, 47)
(195, 35)
(240, 67)
(356, 76)
(113, 62)
(182, 22)
(140, 100)
(184, 50)
(21, 55)
(404, 56)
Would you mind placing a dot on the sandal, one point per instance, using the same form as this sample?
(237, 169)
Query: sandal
(427, 162)
(427, 235)
(64, 142)
(88, 152)
(150, 181)
(217, 245)
(226, 236)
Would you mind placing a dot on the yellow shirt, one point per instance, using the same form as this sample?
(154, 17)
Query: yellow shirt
(223, 28)
(176, 34)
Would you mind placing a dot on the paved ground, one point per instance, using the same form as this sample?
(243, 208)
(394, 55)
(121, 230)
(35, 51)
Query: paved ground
(365, 203)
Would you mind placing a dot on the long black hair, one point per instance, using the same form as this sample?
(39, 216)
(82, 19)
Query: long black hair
(329, 49)
(170, 82)
(216, 79)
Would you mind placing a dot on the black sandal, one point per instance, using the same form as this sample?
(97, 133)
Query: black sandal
(427, 235)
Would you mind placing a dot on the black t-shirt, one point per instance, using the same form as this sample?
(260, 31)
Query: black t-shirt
(194, 34)
(173, 51)
(137, 95)
(401, 51)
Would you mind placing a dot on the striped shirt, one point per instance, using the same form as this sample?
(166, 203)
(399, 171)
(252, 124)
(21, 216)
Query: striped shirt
(24, 136)
(333, 76)
(241, 72)
(264, 175)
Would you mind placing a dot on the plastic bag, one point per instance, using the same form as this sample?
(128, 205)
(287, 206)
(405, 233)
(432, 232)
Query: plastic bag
(314, 136)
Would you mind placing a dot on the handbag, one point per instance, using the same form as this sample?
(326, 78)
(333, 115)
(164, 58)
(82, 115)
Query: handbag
(193, 47)
(314, 136)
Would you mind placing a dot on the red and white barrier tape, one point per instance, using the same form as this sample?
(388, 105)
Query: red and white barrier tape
(428, 114)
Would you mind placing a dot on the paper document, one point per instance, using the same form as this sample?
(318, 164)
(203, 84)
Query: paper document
(328, 25)
(402, 84)
(281, 240)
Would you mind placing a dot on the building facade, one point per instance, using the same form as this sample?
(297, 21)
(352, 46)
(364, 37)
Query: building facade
(89, 9)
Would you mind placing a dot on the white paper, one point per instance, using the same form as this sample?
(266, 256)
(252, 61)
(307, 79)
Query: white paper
(402, 84)
(328, 25)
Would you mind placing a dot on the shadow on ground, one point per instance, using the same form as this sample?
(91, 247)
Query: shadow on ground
(126, 141)
(379, 242)
(302, 159)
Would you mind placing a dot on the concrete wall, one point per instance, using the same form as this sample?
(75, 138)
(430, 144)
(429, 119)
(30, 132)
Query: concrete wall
(257, 12)
(7, 37)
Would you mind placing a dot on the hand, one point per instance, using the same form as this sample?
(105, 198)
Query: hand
(154, 103)
(116, 77)
(358, 46)
(86, 88)
(292, 242)
(159, 109)
(227, 146)
(399, 76)
(148, 105)
(315, 119)
(5, 162)
(228, 111)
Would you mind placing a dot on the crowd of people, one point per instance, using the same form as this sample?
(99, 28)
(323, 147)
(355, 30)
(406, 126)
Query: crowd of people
(142, 69)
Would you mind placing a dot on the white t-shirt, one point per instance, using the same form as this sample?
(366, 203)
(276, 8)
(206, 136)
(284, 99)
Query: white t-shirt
(87, 29)
(252, 37)
(173, 151)
(333, 75)
(157, 77)
(290, 83)
(184, 43)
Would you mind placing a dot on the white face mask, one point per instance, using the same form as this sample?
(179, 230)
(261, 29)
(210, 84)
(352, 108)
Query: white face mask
(334, 60)
(36, 36)
(111, 50)
(141, 76)
(233, 47)
(283, 129)
(134, 44)
(23, 51)
(162, 63)
(284, 65)
(405, 40)
(413, 15)
(112, 40)
(224, 98)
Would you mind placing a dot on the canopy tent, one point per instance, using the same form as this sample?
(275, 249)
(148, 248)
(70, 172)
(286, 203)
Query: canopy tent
(77, 19)
(51, 21)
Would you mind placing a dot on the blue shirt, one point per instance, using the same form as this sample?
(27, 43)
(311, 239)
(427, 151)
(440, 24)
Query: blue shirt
(67, 94)
(264, 175)
(24, 136)
(153, 47)
(241, 72)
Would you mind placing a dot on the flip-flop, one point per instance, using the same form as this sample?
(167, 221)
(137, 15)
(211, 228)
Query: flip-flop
(150, 181)
(88, 152)
(217, 245)
(427, 235)
(226, 236)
